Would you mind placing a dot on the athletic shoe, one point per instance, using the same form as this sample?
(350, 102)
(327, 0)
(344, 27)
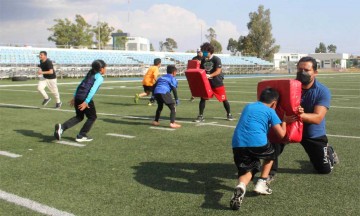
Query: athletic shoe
(333, 154)
(58, 131)
(155, 123)
(229, 117)
(262, 187)
(150, 104)
(136, 99)
(200, 118)
(58, 105)
(174, 125)
(46, 101)
(238, 196)
(80, 138)
(192, 99)
(270, 179)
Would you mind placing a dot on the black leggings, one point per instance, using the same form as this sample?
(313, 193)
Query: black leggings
(203, 102)
(165, 99)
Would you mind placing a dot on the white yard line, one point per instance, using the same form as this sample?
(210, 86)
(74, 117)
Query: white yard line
(30, 204)
(342, 136)
(70, 143)
(120, 135)
(162, 128)
(9, 154)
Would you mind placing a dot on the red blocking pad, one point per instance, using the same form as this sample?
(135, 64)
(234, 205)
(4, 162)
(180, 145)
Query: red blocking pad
(289, 101)
(193, 64)
(198, 83)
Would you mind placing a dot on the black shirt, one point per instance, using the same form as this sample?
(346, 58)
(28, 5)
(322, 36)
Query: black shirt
(210, 66)
(46, 66)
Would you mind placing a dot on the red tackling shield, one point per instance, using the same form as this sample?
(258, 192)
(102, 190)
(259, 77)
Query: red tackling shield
(198, 82)
(289, 101)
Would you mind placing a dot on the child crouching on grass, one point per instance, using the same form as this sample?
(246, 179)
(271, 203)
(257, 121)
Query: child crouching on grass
(83, 103)
(250, 144)
(162, 93)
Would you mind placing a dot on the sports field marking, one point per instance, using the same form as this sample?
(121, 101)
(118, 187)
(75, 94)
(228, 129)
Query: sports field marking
(30, 204)
(120, 135)
(162, 128)
(9, 154)
(70, 143)
(342, 136)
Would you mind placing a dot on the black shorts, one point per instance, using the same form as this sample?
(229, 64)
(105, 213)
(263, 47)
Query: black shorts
(247, 159)
(164, 98)
(148, 88)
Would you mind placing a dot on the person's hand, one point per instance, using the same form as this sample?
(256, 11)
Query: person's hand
(72, 102)
(83, 106)
(40, 72)
(289, 119)
(208, 76)
(177, 102)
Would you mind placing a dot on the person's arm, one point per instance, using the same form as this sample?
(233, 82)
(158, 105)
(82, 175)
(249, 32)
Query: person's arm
(98, 81)
(313, 118)
(174, 92)
(280, 129)
(51, 71)
(216, 73)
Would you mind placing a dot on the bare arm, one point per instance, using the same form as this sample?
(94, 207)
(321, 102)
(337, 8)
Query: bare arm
(313, 118)
(216, 73)
(51, 71)
(280, 130)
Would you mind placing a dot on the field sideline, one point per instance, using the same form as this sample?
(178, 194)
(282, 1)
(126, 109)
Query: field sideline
(132, 168)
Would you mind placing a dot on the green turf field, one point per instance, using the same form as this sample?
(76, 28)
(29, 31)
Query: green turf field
(188, 171)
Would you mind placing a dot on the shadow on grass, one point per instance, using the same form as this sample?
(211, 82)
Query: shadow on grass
(193, 178)
(120, 104)
(128, 121)
(305, 168)
(31, 133)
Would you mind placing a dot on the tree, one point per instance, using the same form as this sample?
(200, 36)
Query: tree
(331, 48)
(321, 48)
(65, 33)
(104, 30)
(119, 42)
(259, 41)
(232, 46)
(169, 45)
(211, 37)
(151, 47)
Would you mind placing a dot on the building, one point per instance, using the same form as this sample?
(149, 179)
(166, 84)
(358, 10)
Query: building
(288, 61)
(137, 44)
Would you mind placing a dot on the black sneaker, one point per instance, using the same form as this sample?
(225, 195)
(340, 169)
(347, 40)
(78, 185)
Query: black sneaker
(200, 118)
(229, 117)
(58, 105)
(237, 197)
(80, 138)
(332, 155)
(46, 101)
(58, 131)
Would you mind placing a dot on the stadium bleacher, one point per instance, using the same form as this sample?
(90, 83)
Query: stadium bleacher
(23, 61)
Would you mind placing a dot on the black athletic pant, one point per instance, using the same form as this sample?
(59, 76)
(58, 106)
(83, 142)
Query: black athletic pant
(165, 99)
(90, 114)
(203, 102)
(318, 150)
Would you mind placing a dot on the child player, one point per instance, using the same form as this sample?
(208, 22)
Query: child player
(250, 144)
(83, 103)
(162, 93)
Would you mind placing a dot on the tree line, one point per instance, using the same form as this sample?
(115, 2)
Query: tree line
(258, 42)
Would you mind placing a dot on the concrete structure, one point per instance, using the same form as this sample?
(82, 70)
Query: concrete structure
(137, 44)
(325, 60)
(331, 60)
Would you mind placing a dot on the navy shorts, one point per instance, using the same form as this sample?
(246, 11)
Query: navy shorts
(247, 159)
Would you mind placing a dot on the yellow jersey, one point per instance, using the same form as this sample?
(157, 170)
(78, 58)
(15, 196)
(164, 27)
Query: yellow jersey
(151, 76)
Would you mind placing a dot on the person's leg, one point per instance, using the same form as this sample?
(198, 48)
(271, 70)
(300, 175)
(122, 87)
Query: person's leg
(317, 150)
(262, 186)
(41, 88)
(76, 119)
(91, 118)
(202, 104)
(52, 85)
(226, 106)
(158, 110)
(279, 148)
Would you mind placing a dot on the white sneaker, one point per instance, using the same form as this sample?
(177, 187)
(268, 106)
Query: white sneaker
(238, 196)
(262, 187)
(80, 138)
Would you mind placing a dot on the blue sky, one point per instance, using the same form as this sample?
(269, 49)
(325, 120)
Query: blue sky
(298, 26)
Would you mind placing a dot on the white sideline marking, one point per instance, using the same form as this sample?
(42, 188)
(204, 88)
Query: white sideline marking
(120, 135)
(342, 136)
(70, 143)
(35, 206)
(9, 154)
(162, 128)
